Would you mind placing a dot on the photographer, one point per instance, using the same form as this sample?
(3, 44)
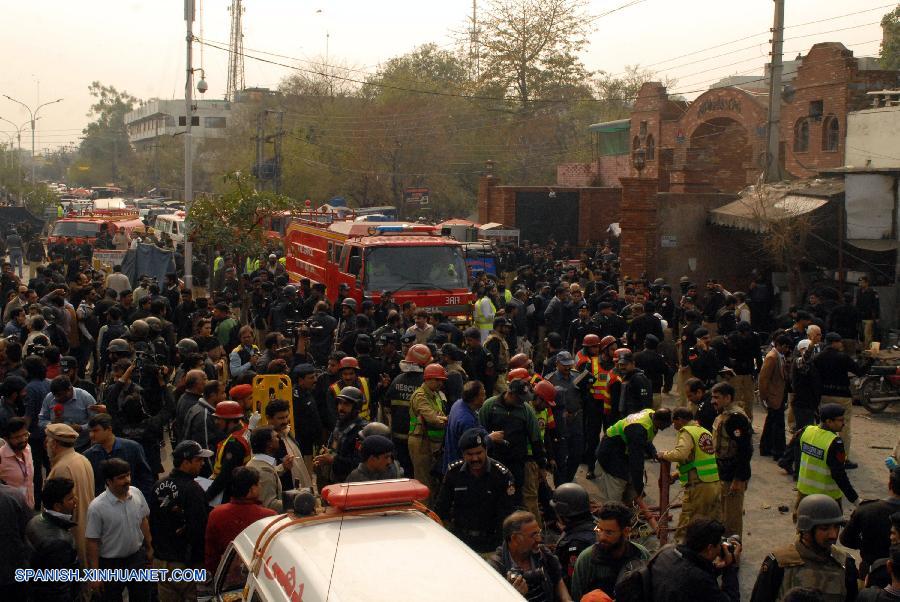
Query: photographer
(526, 562)
(690, 571)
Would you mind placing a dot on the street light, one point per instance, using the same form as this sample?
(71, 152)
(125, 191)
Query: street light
(19, 129)
(33, 115)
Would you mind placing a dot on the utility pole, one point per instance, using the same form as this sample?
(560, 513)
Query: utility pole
(156, 158)
(34, 118)
(260, 140)
(473, 43)
(773, 171)
(188, 146)
(279, 134)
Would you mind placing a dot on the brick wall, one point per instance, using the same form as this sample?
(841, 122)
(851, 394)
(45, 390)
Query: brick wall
(637, 245)
(573, 175)
(603, 171)
(597, 207)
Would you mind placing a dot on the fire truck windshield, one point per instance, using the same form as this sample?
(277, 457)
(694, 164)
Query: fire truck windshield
(415, 268)
(75, 229)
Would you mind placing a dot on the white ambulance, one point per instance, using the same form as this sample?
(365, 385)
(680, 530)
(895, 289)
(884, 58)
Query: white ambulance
(375, 542)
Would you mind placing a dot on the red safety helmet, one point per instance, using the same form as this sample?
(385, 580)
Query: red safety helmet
(607, 341)
(590, 340)
(349, 362)
(519, 360)
(546, 391)
(419, 354)
(518, 374)
(621, 351)
(435, 371)
(229, 410)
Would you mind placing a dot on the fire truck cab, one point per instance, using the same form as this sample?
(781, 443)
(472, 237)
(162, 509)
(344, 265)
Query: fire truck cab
(375, 542)
(410, 262)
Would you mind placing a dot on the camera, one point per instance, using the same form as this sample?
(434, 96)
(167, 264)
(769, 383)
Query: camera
(729, 545)
(529, 576)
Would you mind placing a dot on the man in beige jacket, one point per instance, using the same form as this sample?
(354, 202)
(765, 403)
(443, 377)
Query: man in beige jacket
(65, 462)
(264, 445)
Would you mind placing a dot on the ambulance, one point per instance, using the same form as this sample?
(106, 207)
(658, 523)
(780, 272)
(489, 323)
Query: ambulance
(409, 262)
(375, 542)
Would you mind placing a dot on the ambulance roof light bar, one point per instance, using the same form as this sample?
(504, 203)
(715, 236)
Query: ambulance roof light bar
(374, 494)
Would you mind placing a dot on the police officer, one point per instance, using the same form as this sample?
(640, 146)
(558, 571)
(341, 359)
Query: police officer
(476, 495)
(696, 458)
(308, 412)
(811, 561)
(573, 508)
(514, 431)
(636, 392)
(622, 451)
(869, 528)
(233, 450)
(822, 457)
(341, 454)
(732, 439)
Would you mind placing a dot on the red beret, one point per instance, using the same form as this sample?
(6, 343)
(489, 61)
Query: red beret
(239, 392)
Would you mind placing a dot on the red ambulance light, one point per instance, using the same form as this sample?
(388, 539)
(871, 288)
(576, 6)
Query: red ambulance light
(374, 494)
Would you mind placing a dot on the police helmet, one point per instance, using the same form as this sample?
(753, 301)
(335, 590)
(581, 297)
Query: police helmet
(818, 509)
(570, 499)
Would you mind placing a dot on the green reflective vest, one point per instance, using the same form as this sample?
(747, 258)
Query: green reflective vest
(815, 474)
(704, 461)
(644, 418)
(481, 320)
(434, 433)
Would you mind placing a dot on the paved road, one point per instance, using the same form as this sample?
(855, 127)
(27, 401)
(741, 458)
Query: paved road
(874, 436)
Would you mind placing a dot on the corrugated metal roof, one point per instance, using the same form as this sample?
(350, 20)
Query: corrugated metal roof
(618, 125)
(758, 206)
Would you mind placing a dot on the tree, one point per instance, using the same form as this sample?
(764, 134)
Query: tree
(236, 219)
(530, 47)
(616, 95)
(39, 197)
(890, 40)
(105, 152)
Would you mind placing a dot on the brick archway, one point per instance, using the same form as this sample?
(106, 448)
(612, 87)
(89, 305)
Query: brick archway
(720, 152)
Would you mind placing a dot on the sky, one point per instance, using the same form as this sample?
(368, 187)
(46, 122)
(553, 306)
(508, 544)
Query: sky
(55, 48)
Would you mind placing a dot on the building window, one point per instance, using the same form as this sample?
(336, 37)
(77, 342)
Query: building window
(643, 130)
(635, 143)
(195, 121)
(214, 122)
(651, 148)
(831, 130)
(816, 109)
(801, 136)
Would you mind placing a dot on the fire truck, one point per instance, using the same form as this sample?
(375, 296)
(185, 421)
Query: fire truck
(409, 262)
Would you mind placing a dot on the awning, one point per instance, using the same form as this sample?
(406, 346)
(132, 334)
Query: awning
(608, 127)
(755, 213)
(879, 246)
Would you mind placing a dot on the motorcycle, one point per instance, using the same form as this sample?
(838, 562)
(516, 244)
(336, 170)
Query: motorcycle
(880, 387)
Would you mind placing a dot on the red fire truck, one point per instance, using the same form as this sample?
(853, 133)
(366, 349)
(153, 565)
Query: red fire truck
(410, 262)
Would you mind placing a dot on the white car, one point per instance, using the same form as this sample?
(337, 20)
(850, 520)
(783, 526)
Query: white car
(374, 543)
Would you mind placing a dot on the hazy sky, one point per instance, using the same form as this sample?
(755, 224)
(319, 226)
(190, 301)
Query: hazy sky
(55, 48)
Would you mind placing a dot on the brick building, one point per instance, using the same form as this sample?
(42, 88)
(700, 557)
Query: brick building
(717, 142)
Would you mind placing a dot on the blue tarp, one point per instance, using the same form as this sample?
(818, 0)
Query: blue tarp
(148, 260)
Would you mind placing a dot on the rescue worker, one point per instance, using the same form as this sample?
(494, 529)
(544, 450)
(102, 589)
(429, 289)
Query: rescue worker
(427, 422)
(484, 314)
(597, 357)
(573, 508)
(341, 454)
(544, 406)
(476, 495)
(514, 432)
(495, 344)
(732, 439)
(622, 451)
(811, 560)
(350, 377)
(696, 458)
(232, 451)
(397, 399)
(822, 457)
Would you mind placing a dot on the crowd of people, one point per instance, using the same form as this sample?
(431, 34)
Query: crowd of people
(131, 437)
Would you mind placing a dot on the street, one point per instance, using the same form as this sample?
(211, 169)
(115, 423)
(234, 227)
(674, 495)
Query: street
(765, 527)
